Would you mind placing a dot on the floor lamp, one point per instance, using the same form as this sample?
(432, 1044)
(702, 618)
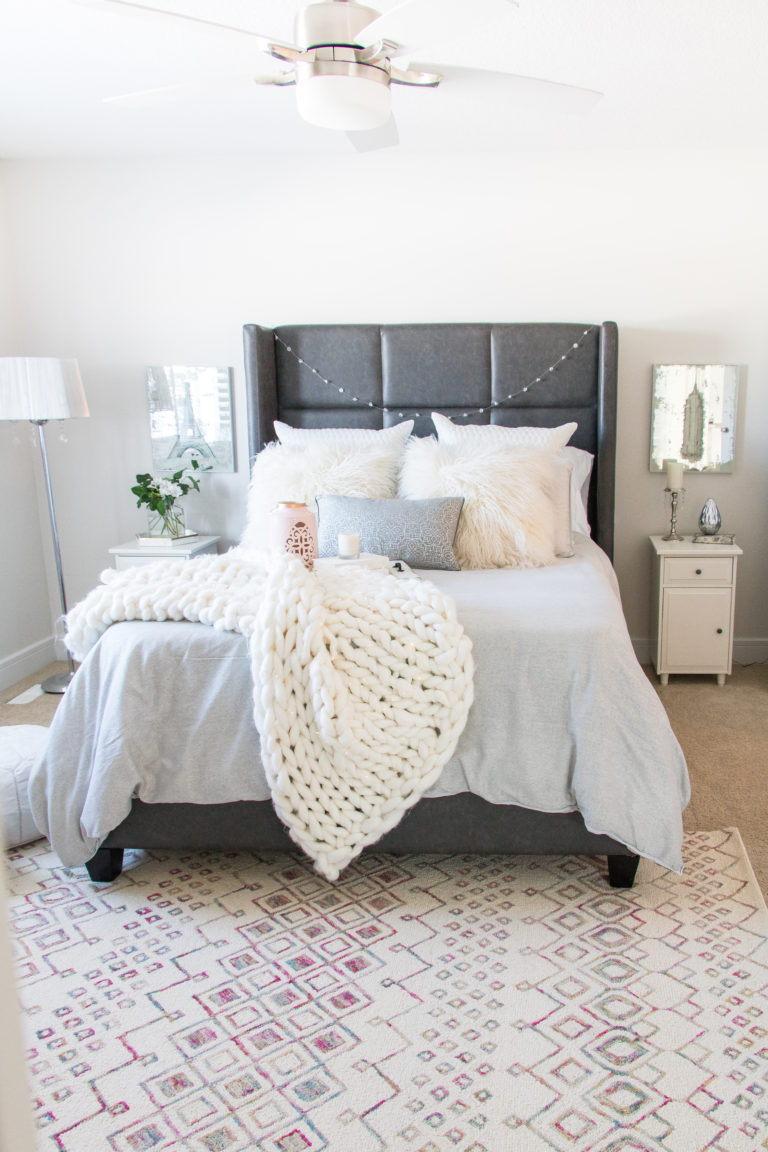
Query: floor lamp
(39, 389)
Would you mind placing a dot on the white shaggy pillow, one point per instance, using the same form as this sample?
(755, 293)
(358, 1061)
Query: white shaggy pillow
(482, 436)
(561, 499)
(303, 471)
(508, 519)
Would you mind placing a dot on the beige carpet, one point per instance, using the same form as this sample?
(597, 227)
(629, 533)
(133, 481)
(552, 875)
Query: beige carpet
(723, 732)
(38, 710)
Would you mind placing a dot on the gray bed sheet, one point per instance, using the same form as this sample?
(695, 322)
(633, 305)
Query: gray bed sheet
(564, 717)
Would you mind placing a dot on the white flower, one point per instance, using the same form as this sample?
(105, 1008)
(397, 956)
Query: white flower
(168, 488)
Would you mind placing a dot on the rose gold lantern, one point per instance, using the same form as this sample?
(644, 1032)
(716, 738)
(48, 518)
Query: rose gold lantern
(293, 528)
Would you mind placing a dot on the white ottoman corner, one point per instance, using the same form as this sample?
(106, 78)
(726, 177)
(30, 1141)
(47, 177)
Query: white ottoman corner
(20, 747)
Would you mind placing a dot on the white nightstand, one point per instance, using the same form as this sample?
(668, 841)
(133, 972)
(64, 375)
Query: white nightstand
(131, 554)
(693, 602)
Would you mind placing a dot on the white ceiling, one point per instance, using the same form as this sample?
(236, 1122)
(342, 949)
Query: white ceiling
(673, 73)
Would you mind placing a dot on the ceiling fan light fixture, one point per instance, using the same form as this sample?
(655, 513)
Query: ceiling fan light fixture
(346, 103)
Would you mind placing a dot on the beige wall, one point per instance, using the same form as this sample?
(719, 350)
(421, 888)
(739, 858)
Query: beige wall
(128, 263)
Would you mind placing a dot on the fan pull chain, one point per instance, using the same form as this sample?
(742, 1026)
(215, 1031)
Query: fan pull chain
(472, 411)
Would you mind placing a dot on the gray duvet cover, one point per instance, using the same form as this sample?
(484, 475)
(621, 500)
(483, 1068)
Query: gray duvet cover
(564, 717)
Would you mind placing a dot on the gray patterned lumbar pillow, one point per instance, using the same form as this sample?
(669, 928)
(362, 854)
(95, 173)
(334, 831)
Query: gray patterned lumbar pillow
(420, 532)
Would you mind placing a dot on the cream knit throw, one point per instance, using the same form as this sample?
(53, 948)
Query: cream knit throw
(362, 680)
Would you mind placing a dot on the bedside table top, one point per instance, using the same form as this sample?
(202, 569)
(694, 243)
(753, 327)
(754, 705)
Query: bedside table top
(686, 547)
(191, 544)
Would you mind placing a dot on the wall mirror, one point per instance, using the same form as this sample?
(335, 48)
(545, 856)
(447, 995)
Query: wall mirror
(693, 416)
(190, 414)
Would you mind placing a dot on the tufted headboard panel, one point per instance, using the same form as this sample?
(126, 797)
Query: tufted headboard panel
(374, 375)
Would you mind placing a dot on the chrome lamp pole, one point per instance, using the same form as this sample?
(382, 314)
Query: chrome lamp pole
(59, 682)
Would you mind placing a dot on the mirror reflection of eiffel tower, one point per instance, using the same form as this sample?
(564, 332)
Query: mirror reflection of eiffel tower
(189, 438)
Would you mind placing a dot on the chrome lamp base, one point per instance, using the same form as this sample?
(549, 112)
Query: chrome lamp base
(58, 683)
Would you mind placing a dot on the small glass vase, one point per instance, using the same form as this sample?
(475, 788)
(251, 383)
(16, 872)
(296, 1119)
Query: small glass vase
(170, 523)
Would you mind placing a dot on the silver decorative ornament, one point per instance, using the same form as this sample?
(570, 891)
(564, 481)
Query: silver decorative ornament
(709, 520)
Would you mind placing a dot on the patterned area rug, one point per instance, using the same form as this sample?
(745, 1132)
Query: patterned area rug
(224, 1003)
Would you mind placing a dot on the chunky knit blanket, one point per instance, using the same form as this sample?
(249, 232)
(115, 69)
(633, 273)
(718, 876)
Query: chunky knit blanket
(362, 680)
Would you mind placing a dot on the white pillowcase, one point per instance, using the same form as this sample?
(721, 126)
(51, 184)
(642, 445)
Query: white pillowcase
(508, 519)
(498, 435)
(581, 462)
(396, 434)
(301, 472)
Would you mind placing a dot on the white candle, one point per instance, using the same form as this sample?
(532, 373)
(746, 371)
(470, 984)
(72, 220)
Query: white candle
(349, 545)
(674, 475)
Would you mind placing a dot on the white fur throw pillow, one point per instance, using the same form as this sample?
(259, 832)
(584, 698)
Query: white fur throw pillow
(508, 519)
(303, 471)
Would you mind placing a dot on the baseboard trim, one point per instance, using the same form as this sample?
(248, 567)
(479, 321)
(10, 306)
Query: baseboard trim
(27, 661)
(750, 651)
(745, 650)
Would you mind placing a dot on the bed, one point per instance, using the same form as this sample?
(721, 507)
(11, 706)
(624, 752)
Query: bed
(371, 376)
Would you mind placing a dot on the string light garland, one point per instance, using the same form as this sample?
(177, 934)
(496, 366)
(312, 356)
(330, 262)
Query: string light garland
(545, 375)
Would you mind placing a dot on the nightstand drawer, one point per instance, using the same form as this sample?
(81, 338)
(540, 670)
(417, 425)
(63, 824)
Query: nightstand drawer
(692, 570)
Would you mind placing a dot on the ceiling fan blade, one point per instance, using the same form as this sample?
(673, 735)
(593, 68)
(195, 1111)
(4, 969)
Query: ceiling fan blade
(371, 139)
(265, 43)
(539, 94)
(169, 93)
(416, 23)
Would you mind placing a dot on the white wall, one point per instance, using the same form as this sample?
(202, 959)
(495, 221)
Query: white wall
(25, 616)
(127, 263)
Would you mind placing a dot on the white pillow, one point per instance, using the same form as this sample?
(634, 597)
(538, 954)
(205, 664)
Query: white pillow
(301, 472)
(396, 434)
(508, 518)
(582, 471)
(493, 435)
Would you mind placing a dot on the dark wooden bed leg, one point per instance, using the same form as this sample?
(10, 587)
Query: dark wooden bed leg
(621, 871)
(106, 865)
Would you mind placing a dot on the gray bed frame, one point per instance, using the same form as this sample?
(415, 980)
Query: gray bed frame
(371, 376)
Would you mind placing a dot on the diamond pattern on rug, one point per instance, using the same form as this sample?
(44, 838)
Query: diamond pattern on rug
(218, 1002)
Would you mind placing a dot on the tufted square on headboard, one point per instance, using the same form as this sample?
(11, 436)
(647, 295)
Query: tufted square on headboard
(374, 375)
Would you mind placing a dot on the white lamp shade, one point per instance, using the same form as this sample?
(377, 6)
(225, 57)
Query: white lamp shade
(346, 103)
(40, 388)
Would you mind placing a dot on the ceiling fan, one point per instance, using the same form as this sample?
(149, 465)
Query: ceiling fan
(347, 56)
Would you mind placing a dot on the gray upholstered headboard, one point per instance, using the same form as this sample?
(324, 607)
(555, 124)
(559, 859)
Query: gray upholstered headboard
(374, 375)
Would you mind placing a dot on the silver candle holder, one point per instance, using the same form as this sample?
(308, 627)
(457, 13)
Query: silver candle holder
(675, 495)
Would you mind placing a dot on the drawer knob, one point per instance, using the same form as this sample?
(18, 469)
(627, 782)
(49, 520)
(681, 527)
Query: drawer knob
(719, 631)
(698, 571)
